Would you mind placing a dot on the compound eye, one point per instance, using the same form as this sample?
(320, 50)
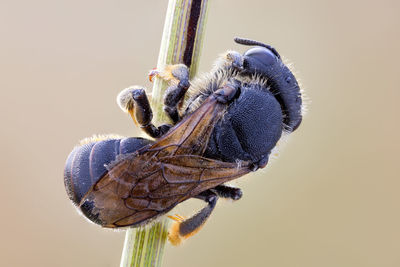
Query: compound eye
(262, 54)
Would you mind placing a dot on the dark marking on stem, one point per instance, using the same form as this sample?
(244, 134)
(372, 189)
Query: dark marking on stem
(195, 10)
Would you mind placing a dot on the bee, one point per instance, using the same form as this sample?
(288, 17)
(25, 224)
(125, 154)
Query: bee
(233, 117)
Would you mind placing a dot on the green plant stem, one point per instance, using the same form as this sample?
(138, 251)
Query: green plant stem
(181, 43)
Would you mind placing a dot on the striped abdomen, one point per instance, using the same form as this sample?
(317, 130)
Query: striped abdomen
(86, 164)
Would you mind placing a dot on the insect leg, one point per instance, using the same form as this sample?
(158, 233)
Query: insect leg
(228, 192)
(178, 78)
(228, 91)
(230, 60)
(134, 100)
(188, 227)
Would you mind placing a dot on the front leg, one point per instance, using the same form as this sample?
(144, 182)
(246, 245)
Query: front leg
(134, 101)
(229, 61)
(178, 78)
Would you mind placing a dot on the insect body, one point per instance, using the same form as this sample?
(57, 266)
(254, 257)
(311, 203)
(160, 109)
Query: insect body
(230, 123)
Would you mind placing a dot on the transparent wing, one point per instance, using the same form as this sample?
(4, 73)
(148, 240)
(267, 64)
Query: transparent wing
(143, 185)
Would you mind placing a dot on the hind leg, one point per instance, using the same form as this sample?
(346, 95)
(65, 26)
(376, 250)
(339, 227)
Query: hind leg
(185, 228)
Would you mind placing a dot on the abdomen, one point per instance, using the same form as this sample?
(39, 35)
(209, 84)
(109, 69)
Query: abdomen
(86, 164)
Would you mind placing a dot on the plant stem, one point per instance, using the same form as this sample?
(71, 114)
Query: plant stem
(181, 43)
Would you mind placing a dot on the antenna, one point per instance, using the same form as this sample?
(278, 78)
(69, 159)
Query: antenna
(249, 42)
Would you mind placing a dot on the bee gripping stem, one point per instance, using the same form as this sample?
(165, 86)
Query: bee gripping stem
(181, 43)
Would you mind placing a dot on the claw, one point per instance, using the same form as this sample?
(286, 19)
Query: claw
(152, 73)
(180, 217)
(176, 73)
(176, 217)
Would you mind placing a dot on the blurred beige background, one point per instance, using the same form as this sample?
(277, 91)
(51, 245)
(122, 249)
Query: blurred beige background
(331, 199)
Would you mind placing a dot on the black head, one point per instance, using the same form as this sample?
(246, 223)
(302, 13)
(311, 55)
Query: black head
(265, 61)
